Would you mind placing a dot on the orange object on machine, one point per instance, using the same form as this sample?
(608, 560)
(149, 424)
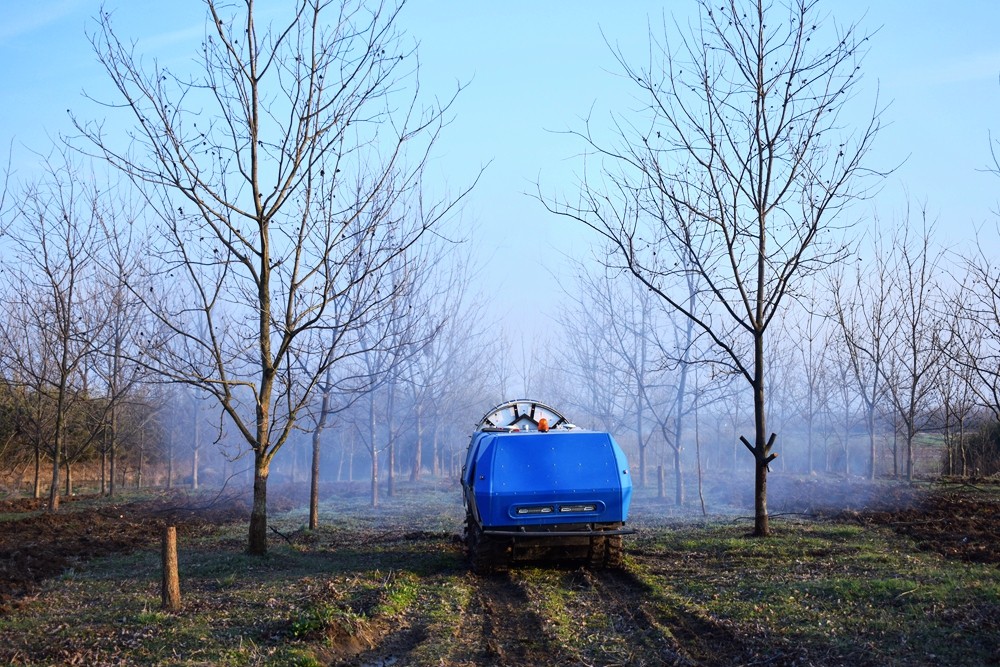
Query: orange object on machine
(543, 424)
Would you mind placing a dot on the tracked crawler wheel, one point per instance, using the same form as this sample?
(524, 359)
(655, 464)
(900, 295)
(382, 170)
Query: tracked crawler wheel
(605, 552)
(490, 552)
(487, 553)
(613, 552)
(598, 550)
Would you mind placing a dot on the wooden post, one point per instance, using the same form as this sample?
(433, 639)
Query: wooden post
(171, 581)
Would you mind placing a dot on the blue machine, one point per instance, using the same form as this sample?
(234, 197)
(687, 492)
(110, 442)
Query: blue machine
(536, 487)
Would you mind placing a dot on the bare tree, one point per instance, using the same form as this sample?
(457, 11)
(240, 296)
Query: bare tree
(812, 348)
(957, 388)
(326, 408)
(626, 348)
(914, 359)
(740, 164)
(843, 398)
(118, 375)
(977, 344)
(450, 326)
(861, 310)
(678, 358)
(14, 456)
(450, 383)
(595, 385)
(388, 344)
(50, 324)
(502, 367)
(284, 174)
(342, 383)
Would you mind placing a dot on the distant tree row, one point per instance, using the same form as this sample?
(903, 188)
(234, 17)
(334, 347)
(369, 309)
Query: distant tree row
(877, 359)
(27, 432)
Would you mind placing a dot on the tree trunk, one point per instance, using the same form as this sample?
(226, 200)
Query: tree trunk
(871, 443)
(374, 451)
(697, 456)
(196, 448)
(961, 449)
(761, 526)
(909, 453)
(810, 420)
(391, 456)
(350, 460)
(679, 415)
(112, 468)
(417, 450)
(374, 481)
(170, 460)
(950, 447)
(113, 447)
(104, 468)
(54, 486)
(895, 452)
(436, 448)
(762, 445)
(314, 467)
(314, 483)
(640, 441)
(37, 482)
(390, 487)
(678, 478)
(847, 441)
(340, 460)
(324, 412)
(171, 587)
(142, 451)
(257, 542)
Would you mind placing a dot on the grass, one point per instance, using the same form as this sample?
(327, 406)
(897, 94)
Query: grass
(814, 593)
(848, 593)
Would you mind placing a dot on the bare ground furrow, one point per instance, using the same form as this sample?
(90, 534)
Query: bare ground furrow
(512, 632)
(686, 637)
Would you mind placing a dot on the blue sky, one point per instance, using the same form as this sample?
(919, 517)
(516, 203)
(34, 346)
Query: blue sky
(536, 67)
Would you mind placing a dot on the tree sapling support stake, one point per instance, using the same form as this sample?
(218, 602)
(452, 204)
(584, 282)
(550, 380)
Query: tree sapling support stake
(171, 582)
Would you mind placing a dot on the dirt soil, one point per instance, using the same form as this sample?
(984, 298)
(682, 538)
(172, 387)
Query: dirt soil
(41, 545)
(958, 519)
(954, 520)
(948, 519)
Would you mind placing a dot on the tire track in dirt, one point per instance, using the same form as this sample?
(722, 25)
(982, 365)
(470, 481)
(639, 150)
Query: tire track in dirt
(677, 636)
(512, 633)
(388, 645)
(622, 599)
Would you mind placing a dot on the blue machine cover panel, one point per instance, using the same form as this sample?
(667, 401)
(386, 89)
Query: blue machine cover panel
(547, 478)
